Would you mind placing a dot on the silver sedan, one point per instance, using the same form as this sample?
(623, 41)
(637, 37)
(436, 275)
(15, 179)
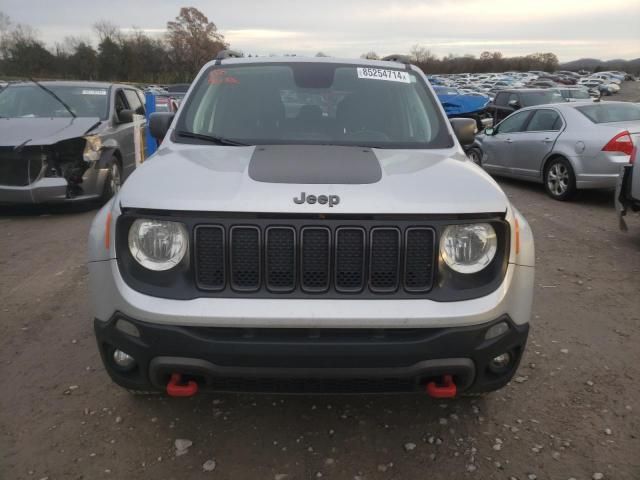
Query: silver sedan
(565, 146)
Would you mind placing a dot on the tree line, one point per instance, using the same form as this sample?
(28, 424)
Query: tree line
(487, 62)
(191, 40)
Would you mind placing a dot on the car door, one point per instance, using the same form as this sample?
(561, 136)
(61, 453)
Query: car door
(531, 147)
(137, 144)
(497, 148)
(122, 132)
(501, 107)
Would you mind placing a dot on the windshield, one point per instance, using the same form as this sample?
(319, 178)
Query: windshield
(611, 112)
(31, 101)
(579, 93)
(314, 103)
(445, 91)
(540, 98)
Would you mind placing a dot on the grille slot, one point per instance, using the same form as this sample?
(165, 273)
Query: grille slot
(315, 259)
(210, 253)
(19, 168)
(384, 260)
(245, 258)
(350, 259)
(280, 259)
(418, 262)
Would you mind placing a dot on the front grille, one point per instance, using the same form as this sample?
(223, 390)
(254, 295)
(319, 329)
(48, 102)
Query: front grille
(20, 168)
(311, 260)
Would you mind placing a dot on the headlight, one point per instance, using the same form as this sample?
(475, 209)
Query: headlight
(158, 245)
(92, 148)
(468, 248)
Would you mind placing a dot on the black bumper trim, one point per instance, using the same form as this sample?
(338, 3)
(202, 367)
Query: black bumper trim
(161, 367)
(310, 360)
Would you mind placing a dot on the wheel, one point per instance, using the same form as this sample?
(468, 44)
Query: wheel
(559, 179)
(113, 182)
(475, 155)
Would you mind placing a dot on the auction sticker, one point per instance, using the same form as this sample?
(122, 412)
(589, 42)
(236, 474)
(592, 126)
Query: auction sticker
(384, 74)
(94, 92)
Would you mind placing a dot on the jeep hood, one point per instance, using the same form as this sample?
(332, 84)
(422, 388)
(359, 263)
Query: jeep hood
(268, 178)
(43, 131)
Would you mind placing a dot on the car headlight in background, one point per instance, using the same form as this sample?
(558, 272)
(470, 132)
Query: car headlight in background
(468, 248)
(92, 148)
(158, 245)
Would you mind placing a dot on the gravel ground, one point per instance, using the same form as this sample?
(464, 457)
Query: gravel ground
(571, 412)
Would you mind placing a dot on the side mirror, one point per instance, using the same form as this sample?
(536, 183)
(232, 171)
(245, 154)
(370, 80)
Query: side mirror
(159, 123)
(514, 104)
(489, 131)
(125, 116)
(464, 129)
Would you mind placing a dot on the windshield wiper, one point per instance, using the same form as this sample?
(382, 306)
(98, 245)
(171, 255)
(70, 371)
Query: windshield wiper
(211, 139)
(50, 92)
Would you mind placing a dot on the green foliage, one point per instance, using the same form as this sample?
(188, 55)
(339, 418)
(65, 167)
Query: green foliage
(487, 62)
(191, 41)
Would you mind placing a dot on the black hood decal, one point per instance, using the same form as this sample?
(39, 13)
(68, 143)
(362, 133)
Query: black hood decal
(314, 164)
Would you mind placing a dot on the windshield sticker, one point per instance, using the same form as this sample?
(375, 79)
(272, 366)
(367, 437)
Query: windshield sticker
(216, 77)
(94, 92)
(383, 74)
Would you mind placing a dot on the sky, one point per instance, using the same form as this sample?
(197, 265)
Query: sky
(571, 29)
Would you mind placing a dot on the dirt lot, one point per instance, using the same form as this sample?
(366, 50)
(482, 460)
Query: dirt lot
(573, 411)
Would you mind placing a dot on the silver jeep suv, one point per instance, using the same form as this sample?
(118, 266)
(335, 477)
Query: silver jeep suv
(311, 225)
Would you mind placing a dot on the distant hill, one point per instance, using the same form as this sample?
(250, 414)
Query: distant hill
(592, 64)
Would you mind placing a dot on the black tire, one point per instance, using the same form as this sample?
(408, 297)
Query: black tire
(475, 155)
(559, 179)
(113, 181)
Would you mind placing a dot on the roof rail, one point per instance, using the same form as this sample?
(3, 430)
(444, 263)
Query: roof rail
(222, 54)
(397, 57)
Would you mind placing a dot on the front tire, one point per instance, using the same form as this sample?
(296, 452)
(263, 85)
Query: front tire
(475, 155)
(113, 182)
(559, 179)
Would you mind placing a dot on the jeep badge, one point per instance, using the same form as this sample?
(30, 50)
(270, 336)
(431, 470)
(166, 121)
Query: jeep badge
(321, 199)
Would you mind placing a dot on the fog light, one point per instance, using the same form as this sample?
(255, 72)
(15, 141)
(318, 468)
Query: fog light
(127, 327)
(123, 360)
(500, 362)
(497, 330)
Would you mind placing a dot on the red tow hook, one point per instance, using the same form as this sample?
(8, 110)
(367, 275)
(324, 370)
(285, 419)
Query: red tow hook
(446, 389)
(175, 387)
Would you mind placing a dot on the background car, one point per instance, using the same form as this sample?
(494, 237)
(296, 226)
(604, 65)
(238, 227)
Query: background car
(566, 146)
(576, 93)
(67, 141)
(509, 100)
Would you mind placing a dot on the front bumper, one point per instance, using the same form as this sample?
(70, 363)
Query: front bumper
(303, 360)
(42, 190)
(54, 190)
